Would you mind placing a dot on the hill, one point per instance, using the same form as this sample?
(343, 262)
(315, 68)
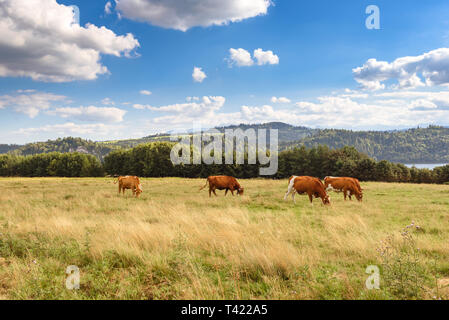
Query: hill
(64, 145)
(418, 145)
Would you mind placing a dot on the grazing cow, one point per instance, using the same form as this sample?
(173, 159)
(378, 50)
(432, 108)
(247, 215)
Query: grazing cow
(311, 186)
(223, 183)
(129, 182)
(349, 186)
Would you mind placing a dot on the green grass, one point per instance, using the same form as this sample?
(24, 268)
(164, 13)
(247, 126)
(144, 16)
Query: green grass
(176, 243)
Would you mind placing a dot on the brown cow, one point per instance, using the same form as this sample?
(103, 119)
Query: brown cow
(349, 186)
(129, 182)
(223, 183)
(311, 186)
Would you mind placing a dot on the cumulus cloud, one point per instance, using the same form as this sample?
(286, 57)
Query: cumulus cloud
(350, 110)
(91, 114)
(30, 102)
(183, 15)
(240, 57)
(146, 92)
(265, 57)
(429, 69)
(198, 75)
(386, 110)
(280, 100)
(42, 40)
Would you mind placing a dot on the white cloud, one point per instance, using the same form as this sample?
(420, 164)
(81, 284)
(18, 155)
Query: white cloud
(350, 110)
(183, 15)
(198, 109)
(240, 57)
(280, 100)
(107, 101)
(429, 69)
(91, 113)
(406, 109)
(146, 92)
(265, 57)
(30, 103)
(70, 128)
(198, 75)
(41, 40)
(141, 106)
(108, 7)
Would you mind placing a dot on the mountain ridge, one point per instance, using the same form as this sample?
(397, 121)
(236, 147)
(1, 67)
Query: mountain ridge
(415, 145)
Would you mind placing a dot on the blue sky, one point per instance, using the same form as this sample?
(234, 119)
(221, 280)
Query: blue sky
(54, 83)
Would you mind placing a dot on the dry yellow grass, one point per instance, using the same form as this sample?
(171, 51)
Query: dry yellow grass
(177, 243)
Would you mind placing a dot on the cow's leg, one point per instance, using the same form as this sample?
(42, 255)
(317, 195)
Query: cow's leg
(213, 190)
(226, 192)
(290, 188)
(210, 192)
(232, 192)
(311, 198)
(293, 197)
(345, 192)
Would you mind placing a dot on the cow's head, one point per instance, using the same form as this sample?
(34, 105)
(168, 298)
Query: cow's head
(240, 191)
(139, 190)
(359, 196)
(327, 200)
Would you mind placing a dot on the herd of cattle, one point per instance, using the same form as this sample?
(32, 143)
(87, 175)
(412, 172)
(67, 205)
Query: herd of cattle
(311, 186)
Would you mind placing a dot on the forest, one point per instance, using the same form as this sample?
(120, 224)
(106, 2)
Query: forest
(153, 160)
(418, 145)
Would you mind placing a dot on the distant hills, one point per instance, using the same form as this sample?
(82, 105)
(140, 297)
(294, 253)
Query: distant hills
(419, 145)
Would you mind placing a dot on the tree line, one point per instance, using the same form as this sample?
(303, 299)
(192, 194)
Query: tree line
(153, 160)
(52, 164)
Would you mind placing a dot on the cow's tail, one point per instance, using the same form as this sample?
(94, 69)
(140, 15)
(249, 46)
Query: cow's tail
(207, 182)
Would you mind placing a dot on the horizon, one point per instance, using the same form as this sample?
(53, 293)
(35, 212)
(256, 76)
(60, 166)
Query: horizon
(222, 127)
(125, 72)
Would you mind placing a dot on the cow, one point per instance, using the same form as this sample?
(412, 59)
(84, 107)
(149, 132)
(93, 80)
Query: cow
(129, 182)
(223, 183)
(349, 186)
(311, 186)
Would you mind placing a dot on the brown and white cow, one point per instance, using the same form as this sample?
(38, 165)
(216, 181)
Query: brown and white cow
(223, 183)
(349, 186)
(129, 182)
(311, 186)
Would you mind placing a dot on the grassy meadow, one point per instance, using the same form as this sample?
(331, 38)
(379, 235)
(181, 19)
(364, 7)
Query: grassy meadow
(175, 242)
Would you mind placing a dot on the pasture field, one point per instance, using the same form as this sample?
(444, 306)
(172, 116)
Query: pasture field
(174, 242)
